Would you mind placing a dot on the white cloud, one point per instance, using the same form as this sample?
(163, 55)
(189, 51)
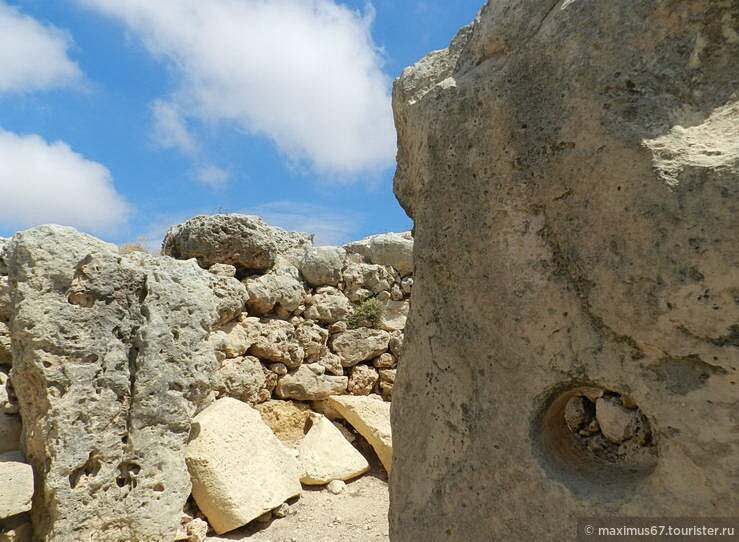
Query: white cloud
(305, 73)
(212, 175)
(330, 226)
(44, 182)
(32, 56)
(170, 130)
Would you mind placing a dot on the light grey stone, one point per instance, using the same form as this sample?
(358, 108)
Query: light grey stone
(241, 378)
(571, 171)
(361, 280)
(16, 486)
(244, 241)
(279, 292)
(305, 385)
(329, 305)
(277, 343)
(312, 338)
(322, 265)
(395, 249)
(361, 344)
(113, 362)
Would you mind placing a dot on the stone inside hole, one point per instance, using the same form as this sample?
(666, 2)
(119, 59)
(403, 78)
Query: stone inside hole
(611, 426)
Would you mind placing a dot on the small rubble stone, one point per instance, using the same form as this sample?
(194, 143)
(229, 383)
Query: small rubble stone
(16, 485)
(575, 414)
(329, 305)
(336, 486)
(197, 530)
(281, 511)
(223, 270)
(385, 361)
(277, 343)
(361, 344)
(614, 420)
(241, 378)
(322, 265)
(306, 385)
(332, 363)
(362, 380)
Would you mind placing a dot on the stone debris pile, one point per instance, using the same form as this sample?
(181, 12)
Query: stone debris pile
(129, 382)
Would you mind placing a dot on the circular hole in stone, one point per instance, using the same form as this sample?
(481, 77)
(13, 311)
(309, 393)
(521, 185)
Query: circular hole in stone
(595, 440)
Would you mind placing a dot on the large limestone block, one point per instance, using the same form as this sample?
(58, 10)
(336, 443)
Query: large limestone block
(359, 344)
(370, 416)
(571, 169)
(16, 485)
(395, 249)
(239, 469)
(244, 241)
(326, 455)
(310, 384)
(112, 362)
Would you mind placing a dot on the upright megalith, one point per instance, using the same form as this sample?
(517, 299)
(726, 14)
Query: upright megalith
(111, 361)
(572, 349)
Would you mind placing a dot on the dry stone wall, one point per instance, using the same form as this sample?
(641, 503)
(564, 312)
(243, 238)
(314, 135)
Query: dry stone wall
(571, 168)
(124, 376)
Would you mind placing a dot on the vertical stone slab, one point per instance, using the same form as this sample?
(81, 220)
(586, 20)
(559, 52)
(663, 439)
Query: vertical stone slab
(571, 168)
(110, 364)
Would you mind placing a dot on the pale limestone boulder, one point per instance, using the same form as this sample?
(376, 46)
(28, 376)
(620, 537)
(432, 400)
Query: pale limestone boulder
(615, 421)
(321, 266)
(361, 280)
(4, 299)
(235, 338)
(306, 385)
(289, 421)
(244, 241)
(362, 380)
(325, 455)
(394, 249)
(280, 292)
(312, 338)
(395, 315)
(395, 344)
(277, 342)
(329, 305)
(239, 468)
(361, 344)
(370, 416)
(571, 170)
(241, 378)
(113, 361)
(16, 485)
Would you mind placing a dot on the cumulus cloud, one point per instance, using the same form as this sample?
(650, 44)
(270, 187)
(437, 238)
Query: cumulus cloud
(32, 56)
(170, 129)
(43, 182)
(304, 73)
(212, 175)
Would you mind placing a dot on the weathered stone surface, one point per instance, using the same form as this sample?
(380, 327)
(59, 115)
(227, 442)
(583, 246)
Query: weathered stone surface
(280, 292)
(395, 315)
(4, 299)
(362, 380)
(571, 169)
(277, 343)
(244, 241)
(387, 382)
(361, 280)
(6, 348)
(361, 344)
(329, 305)
(223, 269)
(385, 361)
(312, 338)
(395, 249)
(305, 385)
(326, 455)
(332, 363)
(288, 420)
(112, 362)
(235, 338)
(615, 421)
(321, 266)
(16, 485)
(370, 416)
(239, 469)
(10, 423)
(241, 378)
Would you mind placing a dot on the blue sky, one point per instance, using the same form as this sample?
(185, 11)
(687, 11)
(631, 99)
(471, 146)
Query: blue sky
(123, 118)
